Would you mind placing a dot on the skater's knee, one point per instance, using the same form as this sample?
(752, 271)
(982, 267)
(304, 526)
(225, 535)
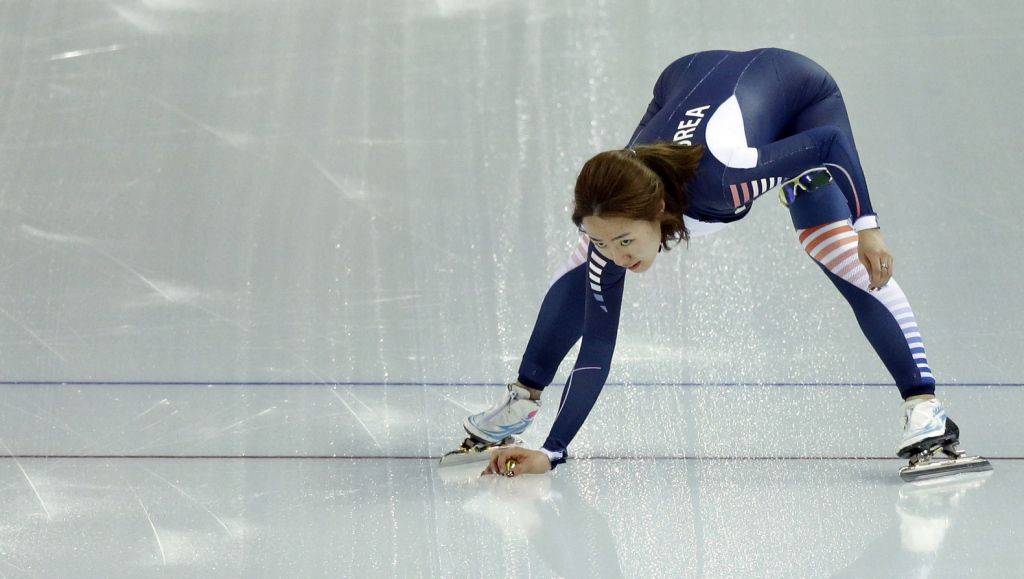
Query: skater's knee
(829, 243)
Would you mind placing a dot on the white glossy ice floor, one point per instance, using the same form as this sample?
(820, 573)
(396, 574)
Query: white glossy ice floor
(257, 259)
(341, 480)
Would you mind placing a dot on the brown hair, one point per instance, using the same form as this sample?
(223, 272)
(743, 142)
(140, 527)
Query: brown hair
(632, 183)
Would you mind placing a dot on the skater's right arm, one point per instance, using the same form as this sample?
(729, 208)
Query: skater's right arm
(600, 328)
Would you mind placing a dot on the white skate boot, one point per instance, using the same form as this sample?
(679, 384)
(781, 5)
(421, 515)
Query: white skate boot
(495, 427)
(924, 422)
(509, 417)
(928, 431)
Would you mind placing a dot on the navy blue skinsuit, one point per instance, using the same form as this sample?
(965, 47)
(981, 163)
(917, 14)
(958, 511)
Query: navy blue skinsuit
(763, 116)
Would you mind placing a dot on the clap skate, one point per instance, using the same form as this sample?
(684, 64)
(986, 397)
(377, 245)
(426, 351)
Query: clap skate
(495, 427)
(473, 450)
(931, 441)
(942, 460)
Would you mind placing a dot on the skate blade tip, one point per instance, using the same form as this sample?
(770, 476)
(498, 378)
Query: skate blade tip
(456, 458)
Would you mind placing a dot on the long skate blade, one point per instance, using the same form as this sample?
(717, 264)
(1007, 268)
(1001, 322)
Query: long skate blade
(466, 456)
(938, 468)
(457, 457)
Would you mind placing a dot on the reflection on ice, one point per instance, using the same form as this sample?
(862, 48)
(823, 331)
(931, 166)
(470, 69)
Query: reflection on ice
(927, 509)
(569, 536)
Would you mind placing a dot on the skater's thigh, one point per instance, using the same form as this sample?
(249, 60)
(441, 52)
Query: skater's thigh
(785, 93)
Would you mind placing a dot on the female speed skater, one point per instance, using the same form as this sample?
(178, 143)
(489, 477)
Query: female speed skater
(722, 129)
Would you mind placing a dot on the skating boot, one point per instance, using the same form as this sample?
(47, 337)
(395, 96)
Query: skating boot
(930, 441)
(495, 427)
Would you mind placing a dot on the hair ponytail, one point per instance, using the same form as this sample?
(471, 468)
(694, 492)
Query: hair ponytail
(675, 165)
(634, 182)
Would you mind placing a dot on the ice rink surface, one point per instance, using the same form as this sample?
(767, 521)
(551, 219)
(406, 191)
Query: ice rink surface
(259, 259)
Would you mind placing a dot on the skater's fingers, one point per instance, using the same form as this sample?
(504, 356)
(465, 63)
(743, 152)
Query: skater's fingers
(865, 260)
(493, 465)
(505, 461)
(884, 277)
(875, 256)
(887, 269)
(525, 461)
(881, 271)
(871, 265)
(878, 267)
(514, 461)
(874, 274)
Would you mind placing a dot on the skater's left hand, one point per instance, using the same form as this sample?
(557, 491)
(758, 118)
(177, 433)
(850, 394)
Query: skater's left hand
(876, 258)
(526, 461)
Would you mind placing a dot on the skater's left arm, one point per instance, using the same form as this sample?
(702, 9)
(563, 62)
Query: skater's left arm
(600, 329)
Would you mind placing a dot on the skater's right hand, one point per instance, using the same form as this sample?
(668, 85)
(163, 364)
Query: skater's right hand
(526, 461)
(875, 256)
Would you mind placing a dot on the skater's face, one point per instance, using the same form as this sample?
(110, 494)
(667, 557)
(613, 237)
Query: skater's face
(630, 243)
